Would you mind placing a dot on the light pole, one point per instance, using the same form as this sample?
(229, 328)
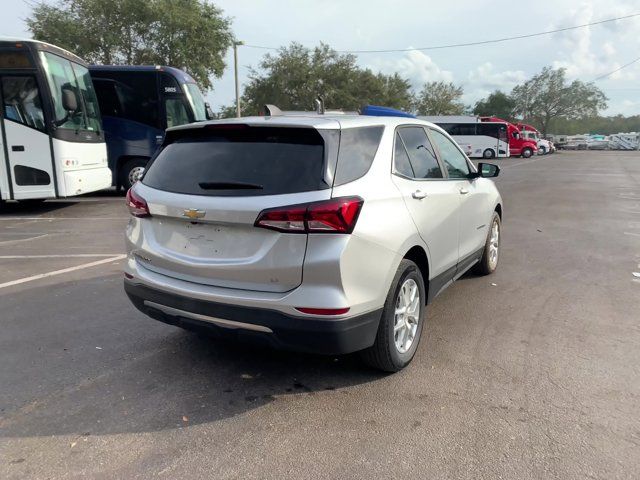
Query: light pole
(236, 44)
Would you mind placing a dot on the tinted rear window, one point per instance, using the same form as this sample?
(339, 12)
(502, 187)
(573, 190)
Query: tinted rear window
(241, 162)
(358, 147)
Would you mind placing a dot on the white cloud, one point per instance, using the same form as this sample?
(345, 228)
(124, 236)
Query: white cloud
(589, 52)
(415, 66)
(483, 80)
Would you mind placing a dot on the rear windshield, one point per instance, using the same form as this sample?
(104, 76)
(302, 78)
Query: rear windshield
(241, 161)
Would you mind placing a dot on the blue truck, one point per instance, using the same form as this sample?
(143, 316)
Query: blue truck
(138, 103)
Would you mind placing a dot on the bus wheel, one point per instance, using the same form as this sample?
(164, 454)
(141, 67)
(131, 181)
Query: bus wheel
(131, 171)
(489, 153)
(527, 152)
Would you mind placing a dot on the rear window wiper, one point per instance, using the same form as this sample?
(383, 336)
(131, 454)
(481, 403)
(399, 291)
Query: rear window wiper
(229, 186)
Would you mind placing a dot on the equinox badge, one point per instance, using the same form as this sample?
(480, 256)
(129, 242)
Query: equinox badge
(193, 213)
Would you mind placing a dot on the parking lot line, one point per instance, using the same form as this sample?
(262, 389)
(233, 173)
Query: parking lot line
(60, 218)
(71, 255)
(60, 272)
(20, 240)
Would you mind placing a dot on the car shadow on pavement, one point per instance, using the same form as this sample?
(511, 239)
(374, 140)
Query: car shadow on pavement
(183, 379)
(33, 208)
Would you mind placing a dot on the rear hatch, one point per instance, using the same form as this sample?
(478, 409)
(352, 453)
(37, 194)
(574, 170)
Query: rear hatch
(206, 189)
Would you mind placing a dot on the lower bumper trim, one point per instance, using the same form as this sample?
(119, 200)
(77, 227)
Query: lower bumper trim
(206, 318)
(258, 325)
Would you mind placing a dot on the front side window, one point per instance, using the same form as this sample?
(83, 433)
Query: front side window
(420, 151)
(64, 76)
(21, 101)
(454, 160)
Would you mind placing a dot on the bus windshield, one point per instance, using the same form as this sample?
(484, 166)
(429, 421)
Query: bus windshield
(196, 100)
(65, 75)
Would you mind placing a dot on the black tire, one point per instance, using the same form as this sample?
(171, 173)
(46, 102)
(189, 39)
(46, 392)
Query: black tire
(527, 153)
(486, 266)
(489, 154)
(383, 354)
(542, 150)
(125, 174)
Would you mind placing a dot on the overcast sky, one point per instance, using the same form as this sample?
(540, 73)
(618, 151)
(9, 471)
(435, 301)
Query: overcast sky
(382, 24)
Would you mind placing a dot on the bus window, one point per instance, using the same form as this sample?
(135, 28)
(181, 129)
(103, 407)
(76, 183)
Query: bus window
(176, 112)
(196, 100)
(129, 95)
(21, 100)
(62, 75)
(488, 129)
(465, 129)
(107, 97)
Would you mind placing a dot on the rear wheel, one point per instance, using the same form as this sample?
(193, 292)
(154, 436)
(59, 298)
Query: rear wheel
(488, 153)
(131, 172)
(527, 152)
(401, 322)
(491, 254)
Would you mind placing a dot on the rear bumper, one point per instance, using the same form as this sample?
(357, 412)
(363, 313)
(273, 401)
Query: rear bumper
(271, 327)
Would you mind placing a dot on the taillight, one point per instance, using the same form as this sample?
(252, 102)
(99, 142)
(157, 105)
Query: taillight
(137, 205)
(338, 215)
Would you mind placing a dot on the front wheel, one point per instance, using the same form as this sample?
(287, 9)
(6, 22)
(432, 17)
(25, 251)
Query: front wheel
(488, 154)
(542, 151)
(131, 172)
(527, 152)
(491, 254)
(401, 322)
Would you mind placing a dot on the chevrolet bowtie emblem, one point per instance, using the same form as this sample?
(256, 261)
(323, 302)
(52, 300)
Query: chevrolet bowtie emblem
(193, 213)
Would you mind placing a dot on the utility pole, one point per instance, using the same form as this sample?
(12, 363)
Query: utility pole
(236, 44)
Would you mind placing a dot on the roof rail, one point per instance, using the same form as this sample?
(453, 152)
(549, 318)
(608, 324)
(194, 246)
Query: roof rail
(378, 111)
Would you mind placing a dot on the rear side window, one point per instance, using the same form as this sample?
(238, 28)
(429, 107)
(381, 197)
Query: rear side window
(358, 147)
(421, 154)
(241, 161)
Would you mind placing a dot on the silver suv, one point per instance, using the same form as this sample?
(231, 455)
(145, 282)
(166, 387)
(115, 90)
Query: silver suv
(318, 233)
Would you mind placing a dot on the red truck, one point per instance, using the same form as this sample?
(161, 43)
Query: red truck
(518, 146)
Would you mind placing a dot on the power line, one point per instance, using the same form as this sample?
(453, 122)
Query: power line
(616, 70)
(484, 42)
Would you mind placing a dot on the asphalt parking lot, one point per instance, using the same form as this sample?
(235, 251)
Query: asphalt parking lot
(530, 373)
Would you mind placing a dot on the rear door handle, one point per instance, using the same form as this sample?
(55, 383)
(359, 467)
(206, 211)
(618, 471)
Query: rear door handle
(464, 191)
(418, 194)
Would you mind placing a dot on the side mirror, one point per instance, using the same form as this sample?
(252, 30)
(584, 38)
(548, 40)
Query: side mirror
(488, 170)
(210, 115)
(69, 100)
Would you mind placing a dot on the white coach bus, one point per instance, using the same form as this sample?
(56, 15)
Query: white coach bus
(478, 139)
(51, 139)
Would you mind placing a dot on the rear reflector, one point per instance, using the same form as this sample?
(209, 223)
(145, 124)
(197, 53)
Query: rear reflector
(338, 215)
(137, 205)
(323, 311)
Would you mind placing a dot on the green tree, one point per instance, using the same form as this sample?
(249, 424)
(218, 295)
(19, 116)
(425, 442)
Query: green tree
(548, 96)
(189, 34)
(439, 98)
(296, 75)
(497, 104)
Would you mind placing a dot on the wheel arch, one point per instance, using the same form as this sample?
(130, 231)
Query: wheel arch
(498, 210)
(418, 255)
